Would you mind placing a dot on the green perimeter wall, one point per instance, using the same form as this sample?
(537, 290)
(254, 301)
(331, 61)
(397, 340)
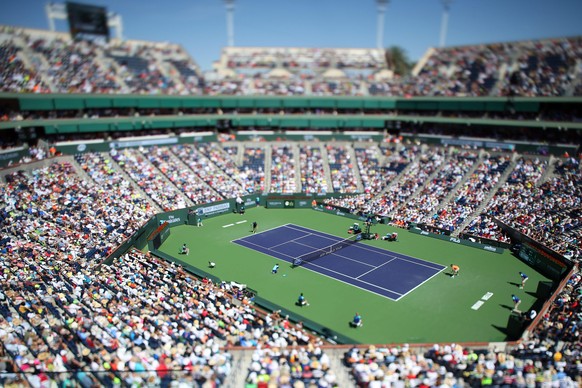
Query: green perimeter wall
(75, 147)
(51, 102)
(60, 101)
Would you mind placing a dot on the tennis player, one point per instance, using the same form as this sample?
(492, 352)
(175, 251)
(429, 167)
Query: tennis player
(254, 226)
(275, 269)
(454, 270)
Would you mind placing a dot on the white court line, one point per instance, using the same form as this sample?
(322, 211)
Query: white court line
(241, 222)
(371, 248)
(254, 234)
(487, 296)
(295, 241)
(388, 254)
(280, 253)
(364, 247)
(333, 253)
(373, 269)
(331, 277)
(420, 284)
(361, 281)
(226, 226)
(477, 305)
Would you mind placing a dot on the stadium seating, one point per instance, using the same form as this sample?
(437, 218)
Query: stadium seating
(14, 75)
(30, 339)
(58, 64)
(313, 175)
(545, 211)
(66, 319)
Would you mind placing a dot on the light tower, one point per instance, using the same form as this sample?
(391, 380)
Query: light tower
(382, 6)
(445, 21)
(229, 22)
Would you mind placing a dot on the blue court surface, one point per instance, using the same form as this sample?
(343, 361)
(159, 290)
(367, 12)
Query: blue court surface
(386, 273)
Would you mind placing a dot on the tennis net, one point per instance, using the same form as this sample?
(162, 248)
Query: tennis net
(310, 256)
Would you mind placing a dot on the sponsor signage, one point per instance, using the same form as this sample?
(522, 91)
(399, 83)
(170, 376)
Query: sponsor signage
(457, 240)
(274, 204)
(214, 209)
(143, 143)
(477, 143)
(10, 155)
(171, 220)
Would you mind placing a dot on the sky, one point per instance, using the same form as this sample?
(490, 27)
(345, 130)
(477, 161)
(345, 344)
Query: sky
(200, 25)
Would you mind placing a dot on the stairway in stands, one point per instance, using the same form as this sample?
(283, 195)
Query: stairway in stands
(487, 198)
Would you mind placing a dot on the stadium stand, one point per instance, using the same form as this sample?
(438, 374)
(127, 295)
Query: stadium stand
(67, 319)
(114, 287)
(15, 76)
(313, 172)
(548, 212)
(527, 68)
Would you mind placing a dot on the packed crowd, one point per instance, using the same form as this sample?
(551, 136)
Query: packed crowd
(529, 68)
(375, 174)
(144, 76)
(286, 368)
(548, 212)
(64, 65)
(301, 58)
(409, 183)
(163, 189)
(544, 68)
(474, 191)
(283, 171)
(74, 68)
(67, 322)
(337, 87)
(220, 181)
(66, 318)
(275, 87)
(545, 212)
(54, 206)
(422, 207)
(343, 176)
(224, 160)
(465, 70)
(313, 176)
(14, 75)
(205, 181)
(253, 166)
(141, 321)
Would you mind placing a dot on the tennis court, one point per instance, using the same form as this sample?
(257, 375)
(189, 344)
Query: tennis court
(389, 274)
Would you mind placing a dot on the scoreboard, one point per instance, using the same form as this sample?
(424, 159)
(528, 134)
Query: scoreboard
(85, 19)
